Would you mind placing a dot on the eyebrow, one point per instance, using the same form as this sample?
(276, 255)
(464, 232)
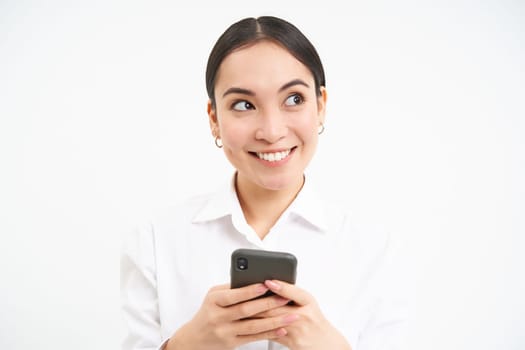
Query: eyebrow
(293, 83)
(237, 90)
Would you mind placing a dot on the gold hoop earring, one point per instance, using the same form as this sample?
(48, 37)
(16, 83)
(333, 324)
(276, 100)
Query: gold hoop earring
(320, 129)
(218, 142)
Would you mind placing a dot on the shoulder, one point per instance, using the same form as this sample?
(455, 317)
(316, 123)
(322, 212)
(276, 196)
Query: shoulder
(367, 239)
(181, 212)
(174, 216)
(344, 221)
(368, 232)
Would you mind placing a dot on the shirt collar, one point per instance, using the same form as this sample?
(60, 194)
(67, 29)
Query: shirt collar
(220, 204)
(307, 205)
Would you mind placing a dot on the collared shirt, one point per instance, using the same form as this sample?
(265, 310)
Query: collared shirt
(168, 266)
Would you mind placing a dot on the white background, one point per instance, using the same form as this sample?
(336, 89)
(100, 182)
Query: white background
(102, 122)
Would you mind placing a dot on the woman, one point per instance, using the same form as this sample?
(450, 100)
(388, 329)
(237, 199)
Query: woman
(267, 102)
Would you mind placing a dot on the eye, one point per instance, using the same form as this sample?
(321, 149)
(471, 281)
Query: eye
(293, 100)
(242, 106)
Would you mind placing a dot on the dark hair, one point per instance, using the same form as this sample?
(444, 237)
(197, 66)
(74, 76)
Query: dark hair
(250, 30)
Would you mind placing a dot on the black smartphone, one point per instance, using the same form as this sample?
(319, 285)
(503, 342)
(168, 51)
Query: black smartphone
(249, 266)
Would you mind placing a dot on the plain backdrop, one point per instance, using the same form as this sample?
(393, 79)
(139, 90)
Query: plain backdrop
(103, 122)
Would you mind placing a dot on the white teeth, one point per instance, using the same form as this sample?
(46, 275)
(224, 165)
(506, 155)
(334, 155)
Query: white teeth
(273, 157)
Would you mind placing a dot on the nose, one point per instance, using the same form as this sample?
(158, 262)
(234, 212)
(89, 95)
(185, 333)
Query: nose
(272, 126)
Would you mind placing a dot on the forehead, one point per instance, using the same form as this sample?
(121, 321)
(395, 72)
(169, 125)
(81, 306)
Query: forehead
(264, 64)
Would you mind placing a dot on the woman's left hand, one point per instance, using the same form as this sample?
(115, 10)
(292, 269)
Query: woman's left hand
(311, 330)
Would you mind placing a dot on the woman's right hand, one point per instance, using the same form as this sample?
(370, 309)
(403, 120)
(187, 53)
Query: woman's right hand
(223, 320)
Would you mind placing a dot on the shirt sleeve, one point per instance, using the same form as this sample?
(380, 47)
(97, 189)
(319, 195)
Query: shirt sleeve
(138, 291)
(387, 327)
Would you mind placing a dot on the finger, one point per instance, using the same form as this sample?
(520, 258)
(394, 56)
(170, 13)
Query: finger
(250, 308)
(220, 287)
(278, 311)
(234, 296)
(269, 335)
(289, 291)
(257, 326)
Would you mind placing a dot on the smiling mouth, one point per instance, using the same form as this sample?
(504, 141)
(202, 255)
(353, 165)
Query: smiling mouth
(273, 156)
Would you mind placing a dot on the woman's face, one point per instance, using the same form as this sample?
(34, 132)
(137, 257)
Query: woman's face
(267, 115)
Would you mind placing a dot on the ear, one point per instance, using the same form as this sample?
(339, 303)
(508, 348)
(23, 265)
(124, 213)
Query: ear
(214, 122)
(321, 105)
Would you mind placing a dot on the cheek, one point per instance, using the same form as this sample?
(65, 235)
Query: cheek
(234, 136)
(308, 127)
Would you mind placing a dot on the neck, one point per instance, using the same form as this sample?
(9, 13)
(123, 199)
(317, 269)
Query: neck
(263, 207)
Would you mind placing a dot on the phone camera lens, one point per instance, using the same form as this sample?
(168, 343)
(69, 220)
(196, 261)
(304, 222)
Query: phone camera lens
(242, 263)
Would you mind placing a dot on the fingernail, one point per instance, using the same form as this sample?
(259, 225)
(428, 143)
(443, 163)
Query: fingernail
(272, 285)
(290, 318)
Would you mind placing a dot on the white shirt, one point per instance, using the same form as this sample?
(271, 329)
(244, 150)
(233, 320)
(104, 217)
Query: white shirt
(168, 266)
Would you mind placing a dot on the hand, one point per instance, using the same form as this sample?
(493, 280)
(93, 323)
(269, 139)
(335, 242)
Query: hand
(225, 320)
(310, 329)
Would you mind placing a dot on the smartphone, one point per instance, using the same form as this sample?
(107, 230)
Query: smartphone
(249, 266)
